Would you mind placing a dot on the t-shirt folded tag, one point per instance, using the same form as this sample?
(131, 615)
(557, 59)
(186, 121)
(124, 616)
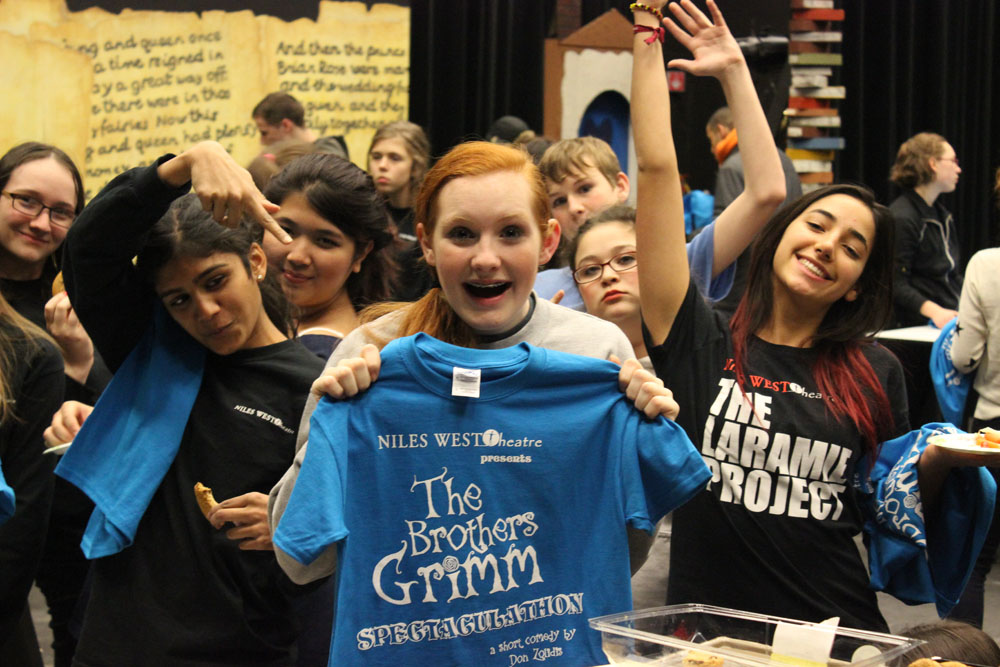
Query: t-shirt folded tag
(465, 382)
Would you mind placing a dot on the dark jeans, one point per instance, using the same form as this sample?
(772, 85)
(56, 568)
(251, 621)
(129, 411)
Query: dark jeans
(21, 648)
(970, 606)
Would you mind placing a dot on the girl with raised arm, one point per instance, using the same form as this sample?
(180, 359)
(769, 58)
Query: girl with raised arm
(790, 400)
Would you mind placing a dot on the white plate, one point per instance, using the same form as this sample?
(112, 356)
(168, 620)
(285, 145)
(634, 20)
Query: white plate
(58, 450)
(960, 442)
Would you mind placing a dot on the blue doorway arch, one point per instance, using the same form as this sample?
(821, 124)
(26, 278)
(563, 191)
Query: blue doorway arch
(607, 118)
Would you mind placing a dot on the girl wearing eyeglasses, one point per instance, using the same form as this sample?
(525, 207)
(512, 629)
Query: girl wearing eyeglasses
(603, 259)
(41, 192)
(927, 281)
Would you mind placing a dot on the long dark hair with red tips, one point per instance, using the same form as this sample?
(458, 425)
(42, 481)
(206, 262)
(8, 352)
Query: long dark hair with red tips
(849, 385)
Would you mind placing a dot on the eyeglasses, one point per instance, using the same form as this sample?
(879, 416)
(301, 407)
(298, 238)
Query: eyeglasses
(58, 216)
(588, 273)
(951, 159)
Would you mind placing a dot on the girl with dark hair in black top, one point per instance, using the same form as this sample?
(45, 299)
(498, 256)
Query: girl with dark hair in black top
(790, 400)
(185, 592)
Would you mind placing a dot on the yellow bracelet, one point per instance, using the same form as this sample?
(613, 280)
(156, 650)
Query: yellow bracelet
(640, 7)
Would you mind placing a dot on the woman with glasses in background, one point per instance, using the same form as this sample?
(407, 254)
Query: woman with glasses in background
(41, 192)
(928, 281)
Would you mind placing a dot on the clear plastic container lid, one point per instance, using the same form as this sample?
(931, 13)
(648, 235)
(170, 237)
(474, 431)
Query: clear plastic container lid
(695, 635)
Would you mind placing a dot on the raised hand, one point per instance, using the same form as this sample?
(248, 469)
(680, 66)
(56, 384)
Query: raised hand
(224, 187)
(74, 343)
(714, 48)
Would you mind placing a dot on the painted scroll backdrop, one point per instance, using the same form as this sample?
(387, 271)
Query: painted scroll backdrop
(118, 90)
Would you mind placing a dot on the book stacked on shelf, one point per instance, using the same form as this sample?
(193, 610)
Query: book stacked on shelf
(813, 118)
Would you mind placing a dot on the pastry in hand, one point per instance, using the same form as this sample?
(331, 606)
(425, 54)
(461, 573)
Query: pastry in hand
(206, 501)
(57, 284)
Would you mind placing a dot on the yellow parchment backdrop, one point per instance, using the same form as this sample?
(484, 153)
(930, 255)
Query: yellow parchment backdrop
(118, 90)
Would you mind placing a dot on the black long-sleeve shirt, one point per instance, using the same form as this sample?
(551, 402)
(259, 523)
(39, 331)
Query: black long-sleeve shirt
(184, 594)
(927, 258)
(35, 380)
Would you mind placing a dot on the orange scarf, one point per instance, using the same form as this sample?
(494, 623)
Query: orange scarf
(725, 146)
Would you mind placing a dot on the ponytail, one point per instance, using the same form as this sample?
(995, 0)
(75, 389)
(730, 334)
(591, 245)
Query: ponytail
(431, 314)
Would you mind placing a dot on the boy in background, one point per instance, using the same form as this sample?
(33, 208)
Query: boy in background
(584, 177)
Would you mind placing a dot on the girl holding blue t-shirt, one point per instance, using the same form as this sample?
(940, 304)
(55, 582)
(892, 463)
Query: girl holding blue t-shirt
(484, 226)
(790, 400)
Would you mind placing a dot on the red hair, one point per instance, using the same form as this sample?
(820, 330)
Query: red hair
(432, 314)
(478, 158)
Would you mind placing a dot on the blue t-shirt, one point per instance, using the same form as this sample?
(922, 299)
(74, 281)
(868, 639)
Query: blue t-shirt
(701, 256)
(474, 530)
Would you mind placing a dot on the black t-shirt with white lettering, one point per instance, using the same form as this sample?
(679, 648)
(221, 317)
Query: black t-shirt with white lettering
(184, 594)
(774, 531)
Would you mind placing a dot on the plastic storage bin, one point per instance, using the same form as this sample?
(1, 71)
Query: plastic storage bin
(695, 635)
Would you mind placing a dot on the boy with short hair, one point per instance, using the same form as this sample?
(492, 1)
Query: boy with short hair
(584, 177)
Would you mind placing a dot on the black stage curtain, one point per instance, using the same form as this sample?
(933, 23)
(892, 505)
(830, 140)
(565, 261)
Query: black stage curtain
(925, 65)
(473, 62)
(909, 66)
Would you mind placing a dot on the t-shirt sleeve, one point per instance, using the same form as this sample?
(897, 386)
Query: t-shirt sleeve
(695, 326)
(113, 301)
(890, 372)
(690, 360)
(701, 259)
(314, 517)
(661, 468)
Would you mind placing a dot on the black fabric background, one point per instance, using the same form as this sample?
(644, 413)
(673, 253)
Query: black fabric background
(925, 66)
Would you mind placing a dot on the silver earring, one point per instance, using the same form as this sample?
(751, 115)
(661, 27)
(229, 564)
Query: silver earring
(260, 277)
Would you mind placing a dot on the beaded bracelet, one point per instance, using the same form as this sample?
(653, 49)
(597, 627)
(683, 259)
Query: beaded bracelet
(640, 7)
